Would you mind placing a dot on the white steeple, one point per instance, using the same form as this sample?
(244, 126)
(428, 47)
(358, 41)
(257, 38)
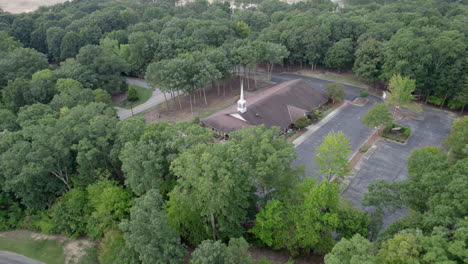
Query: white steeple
(241, 104)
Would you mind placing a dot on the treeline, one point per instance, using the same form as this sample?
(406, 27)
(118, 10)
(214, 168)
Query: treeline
(422, 40)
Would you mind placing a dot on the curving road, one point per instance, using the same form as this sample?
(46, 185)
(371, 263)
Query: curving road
(156, 98)
(7, 257)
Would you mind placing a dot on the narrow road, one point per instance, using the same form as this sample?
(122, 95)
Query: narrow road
(156, 98)
(7, 257)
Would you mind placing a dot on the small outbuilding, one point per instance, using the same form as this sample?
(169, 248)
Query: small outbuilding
(280, 105)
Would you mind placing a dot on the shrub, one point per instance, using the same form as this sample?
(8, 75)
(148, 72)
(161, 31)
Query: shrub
(315, 114)
(454, 105)
(335, 91)
(435, 100)
(364, 148)
(302, 122)
(132, 94)
(406, 132)
(363, 93)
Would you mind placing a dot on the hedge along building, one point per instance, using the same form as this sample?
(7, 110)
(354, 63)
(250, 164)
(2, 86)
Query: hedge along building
(280, 105)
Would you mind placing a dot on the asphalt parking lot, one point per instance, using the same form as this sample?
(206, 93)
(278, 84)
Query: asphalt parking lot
(347, 120)
(387, 159)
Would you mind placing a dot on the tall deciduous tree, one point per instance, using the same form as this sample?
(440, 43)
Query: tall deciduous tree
(400, 91)
(378, 115)
(149, 234)
(458, 138)
(356, 250)
(214, 191)
(340, 55)
(335, 91)
(369, 60)
(332, 156)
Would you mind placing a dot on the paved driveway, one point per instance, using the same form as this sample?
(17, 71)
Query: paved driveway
(13, 258)
(156, 98)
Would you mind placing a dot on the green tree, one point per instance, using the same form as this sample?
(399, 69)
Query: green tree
(54, 41)
(378, 115)
(210, 251)
(356, 250)
(69, 215)
(21, 63)
(109, 205)
(270, 224)
(402, 248)
(457, 141)
(268, 158)
(8, 43)
(101, 96)
(114, 251)
(340, 55)
(42, 87)
(369, 60)
(332, 156)
(213, 190)
(8, 121)
(70, 45)
(146, 160)
(400, 91)
(132, 94)
(335, 91)
(242, 29)
(148, 231)
(70, 94)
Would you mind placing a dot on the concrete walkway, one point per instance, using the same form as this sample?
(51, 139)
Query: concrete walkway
(7, 257)
(156, 98)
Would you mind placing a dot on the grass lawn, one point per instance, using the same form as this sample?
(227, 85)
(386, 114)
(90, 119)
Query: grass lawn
(143, 95)
(347, 78)
(47, 251)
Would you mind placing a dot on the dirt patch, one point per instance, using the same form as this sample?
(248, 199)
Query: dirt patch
(119, 98)
(73, 250)
(282, 256)
(218, 97)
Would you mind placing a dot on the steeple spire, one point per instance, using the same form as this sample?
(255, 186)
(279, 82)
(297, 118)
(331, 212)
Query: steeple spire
(241, 104)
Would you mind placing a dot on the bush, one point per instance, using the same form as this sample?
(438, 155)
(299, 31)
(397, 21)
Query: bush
(132, 94)
(335, 91)
(302, 122)
(315, 114)
(435, 100)
(454, 105)
(364, 148)
(363, 93)
(399, 135)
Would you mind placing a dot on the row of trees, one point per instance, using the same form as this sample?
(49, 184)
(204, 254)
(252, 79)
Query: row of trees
(424, 40)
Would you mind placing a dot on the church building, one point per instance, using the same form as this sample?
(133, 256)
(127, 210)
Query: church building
(280, 105)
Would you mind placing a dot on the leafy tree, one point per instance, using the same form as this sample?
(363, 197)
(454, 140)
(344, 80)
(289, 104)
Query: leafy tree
(242, 29)
(33, 114)
(132, 94)
(70, 45)
(70, 94)
(270, 224)
(400, 91)
(42, 87)
(340, 55)
(335, 91)
(8, 43)
(101, 96)
(69, 215)
(218, 192)
(11, 215)
(402, 248)
(272, 54)
(17, 94)
(54, 41)
(7, 121)
(268, 158)
(352, 221)
(109, 205)
(332, 156)
(21, 63)
(369, 60)
(210, 251)
(114, 251)
(377, 116)
(147, 159)
(458, 138)
(356, 250)
(149, 233)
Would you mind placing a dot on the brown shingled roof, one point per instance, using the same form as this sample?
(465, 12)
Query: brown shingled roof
(280, 106)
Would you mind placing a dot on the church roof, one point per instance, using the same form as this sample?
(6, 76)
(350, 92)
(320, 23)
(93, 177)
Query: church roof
(279, 105)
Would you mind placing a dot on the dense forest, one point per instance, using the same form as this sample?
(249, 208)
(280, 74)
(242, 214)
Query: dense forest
(151, 192)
